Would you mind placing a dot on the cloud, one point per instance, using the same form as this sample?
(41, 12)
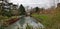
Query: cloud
(34, 3)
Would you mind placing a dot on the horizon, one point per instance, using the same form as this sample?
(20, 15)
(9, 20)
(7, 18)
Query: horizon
(36, 3)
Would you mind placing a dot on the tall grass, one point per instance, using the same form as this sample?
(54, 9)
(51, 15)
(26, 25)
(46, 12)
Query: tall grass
(31, 27)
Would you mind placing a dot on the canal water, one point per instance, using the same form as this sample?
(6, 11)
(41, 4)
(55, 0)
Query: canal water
(22, 23)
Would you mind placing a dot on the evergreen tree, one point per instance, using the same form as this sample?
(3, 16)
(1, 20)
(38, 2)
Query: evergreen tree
(21, 10)
(37, 9)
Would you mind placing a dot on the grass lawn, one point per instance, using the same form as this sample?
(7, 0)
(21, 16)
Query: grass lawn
(48, 20)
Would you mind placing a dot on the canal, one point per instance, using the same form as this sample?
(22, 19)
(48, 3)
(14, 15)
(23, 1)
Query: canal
(23, 21)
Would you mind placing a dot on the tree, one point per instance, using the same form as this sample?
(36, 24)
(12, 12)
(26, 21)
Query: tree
(6, 13)
(21, 10)
(0, 8)
(37, 9)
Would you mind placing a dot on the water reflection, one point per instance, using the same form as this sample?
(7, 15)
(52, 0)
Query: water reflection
(22, 23)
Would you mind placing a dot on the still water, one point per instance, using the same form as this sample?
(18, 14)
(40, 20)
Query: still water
(22, 23)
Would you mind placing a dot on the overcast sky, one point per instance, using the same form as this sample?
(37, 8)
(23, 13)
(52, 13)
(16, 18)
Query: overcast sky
(35, 3)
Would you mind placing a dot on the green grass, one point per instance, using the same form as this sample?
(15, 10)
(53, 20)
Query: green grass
(48, 20)
(42, 16)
